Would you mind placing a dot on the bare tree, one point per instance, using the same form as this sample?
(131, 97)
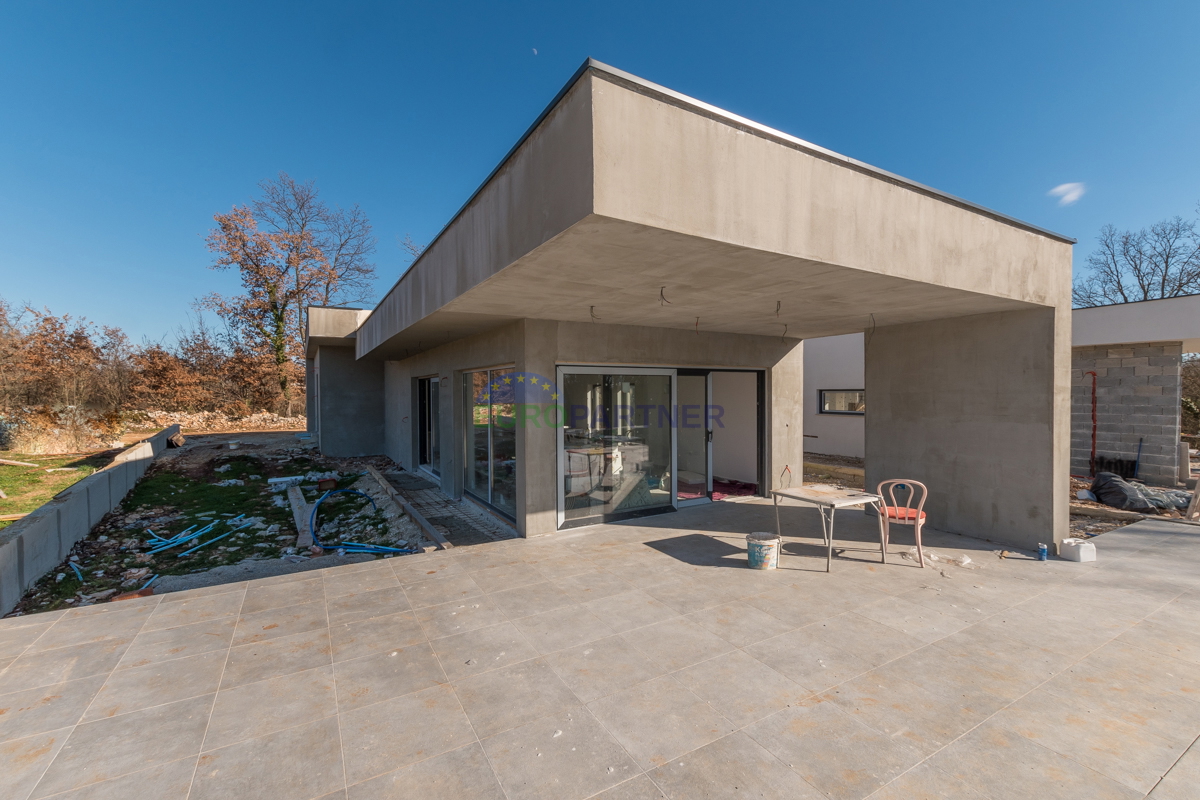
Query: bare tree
(340, 238)
(291, 251)
(1160, 261)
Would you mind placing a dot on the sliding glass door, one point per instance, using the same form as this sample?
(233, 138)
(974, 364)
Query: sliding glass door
(429, 449)
(491, 470)
(616, 442)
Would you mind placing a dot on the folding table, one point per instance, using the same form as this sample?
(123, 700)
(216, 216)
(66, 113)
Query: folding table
(827, 499)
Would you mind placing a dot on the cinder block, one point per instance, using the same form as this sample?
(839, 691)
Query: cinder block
(1147, 391)
(1120, 352)
(1137, 361)
(1164, 361)
(1147, 371)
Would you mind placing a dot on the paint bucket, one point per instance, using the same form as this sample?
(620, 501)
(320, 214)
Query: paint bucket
(762, 550)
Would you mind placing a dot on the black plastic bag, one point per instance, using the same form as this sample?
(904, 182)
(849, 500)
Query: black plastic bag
(1113, 490)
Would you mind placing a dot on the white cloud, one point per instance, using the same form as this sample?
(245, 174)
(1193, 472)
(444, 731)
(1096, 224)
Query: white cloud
(1067, 193)
(534, 51)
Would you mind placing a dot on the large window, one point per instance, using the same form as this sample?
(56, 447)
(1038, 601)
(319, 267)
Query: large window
(843, 401)
(617, 443)
(491, 471)
(429, 449)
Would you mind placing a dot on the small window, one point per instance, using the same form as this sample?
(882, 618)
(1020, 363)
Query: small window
(843, 401)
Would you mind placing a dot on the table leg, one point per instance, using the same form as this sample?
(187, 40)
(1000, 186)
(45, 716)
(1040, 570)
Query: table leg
(828, 538)
(778, 529)
(882, 540)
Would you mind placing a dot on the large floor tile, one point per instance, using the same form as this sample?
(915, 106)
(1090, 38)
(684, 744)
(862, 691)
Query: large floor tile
(677, 643)
(110, 748)
(639, 788)
(659, 720)
(14, 641)
(391, 673)
(71, 632)
(740, 623)
(262, 708)
(592, 584)
(64, 664)
(912, 619)
(305, 762)
(164, 682)
(170, 781)
(278, 622)
(924, 782)
(199, 609)
(507, 576)
(283, 656)
(459, 616)
(534, 598)
(364, 605)
(1181, 780)
(25, 760)
(358, 582)
(481, 650)
(150, 647)
(562, 628)
(46, 708)
(264, 596)
(456, 775)
(629, 610)
(505, 698)
(832, 751)
(1003, 765)
(732, 768)
(438, 589)
(384, 737)
(742, 688)
(374, 635)
(566, 756)
(603, 667)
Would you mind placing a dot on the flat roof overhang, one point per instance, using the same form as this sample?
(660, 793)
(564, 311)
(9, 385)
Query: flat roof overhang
(629, 204)
(619, 273)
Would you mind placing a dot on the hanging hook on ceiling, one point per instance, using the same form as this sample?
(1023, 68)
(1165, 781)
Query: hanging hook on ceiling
(783, 338)
(592, 312)
(870, 333)
(778, 305)
(662, 297)
(697, 326)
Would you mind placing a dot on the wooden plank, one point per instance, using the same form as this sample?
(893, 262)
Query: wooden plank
(301, 512)
(434, 535)
(1193, 510)
(11, 517)
(16, 463)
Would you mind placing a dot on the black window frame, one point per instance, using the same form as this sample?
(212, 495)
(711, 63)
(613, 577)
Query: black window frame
(821, 403)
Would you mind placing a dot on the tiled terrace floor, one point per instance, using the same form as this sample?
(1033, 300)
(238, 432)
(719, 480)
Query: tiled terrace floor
(627, 662)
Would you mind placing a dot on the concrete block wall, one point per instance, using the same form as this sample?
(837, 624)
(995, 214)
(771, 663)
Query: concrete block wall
(31, 547)
(1137, 398)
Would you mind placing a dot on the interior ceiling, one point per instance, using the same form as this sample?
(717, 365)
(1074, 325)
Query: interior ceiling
(612, 272)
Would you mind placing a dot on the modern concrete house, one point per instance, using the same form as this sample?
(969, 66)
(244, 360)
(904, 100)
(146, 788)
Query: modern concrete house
(1133, 350)
(613, 326)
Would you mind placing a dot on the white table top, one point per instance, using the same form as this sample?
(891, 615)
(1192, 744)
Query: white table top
(830, 496)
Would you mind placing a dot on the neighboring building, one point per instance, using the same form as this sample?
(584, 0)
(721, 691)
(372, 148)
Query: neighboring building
(613, 326)
(1135, 349)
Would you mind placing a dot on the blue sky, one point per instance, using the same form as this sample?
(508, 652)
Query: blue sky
(125, 126)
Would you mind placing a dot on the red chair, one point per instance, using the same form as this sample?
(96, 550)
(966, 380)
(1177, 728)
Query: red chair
(893, 513)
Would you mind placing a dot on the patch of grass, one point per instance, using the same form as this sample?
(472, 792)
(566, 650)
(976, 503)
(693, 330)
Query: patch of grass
(31, 487)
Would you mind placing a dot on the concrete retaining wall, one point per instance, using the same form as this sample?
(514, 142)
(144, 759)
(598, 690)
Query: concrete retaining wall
(1137, 399)
(31, 547)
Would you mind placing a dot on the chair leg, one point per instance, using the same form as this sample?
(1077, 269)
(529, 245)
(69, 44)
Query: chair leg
(917, 535)
(882, 540)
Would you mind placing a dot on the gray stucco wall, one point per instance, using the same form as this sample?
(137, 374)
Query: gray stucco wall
(350, 397)
(976, 408)
(1137, 399)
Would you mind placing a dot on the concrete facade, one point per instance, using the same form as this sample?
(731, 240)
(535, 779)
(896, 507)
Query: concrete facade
(636, 227)
(1138, 389)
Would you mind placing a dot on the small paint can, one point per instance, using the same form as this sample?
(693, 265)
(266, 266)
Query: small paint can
(762, 550)
(1043, 552)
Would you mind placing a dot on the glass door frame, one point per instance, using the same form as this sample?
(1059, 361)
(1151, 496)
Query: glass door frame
(708, 470)
(560, 445)
(425, 406)
(468, 441)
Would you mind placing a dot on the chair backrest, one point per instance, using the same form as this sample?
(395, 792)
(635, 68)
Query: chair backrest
(911, 490)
